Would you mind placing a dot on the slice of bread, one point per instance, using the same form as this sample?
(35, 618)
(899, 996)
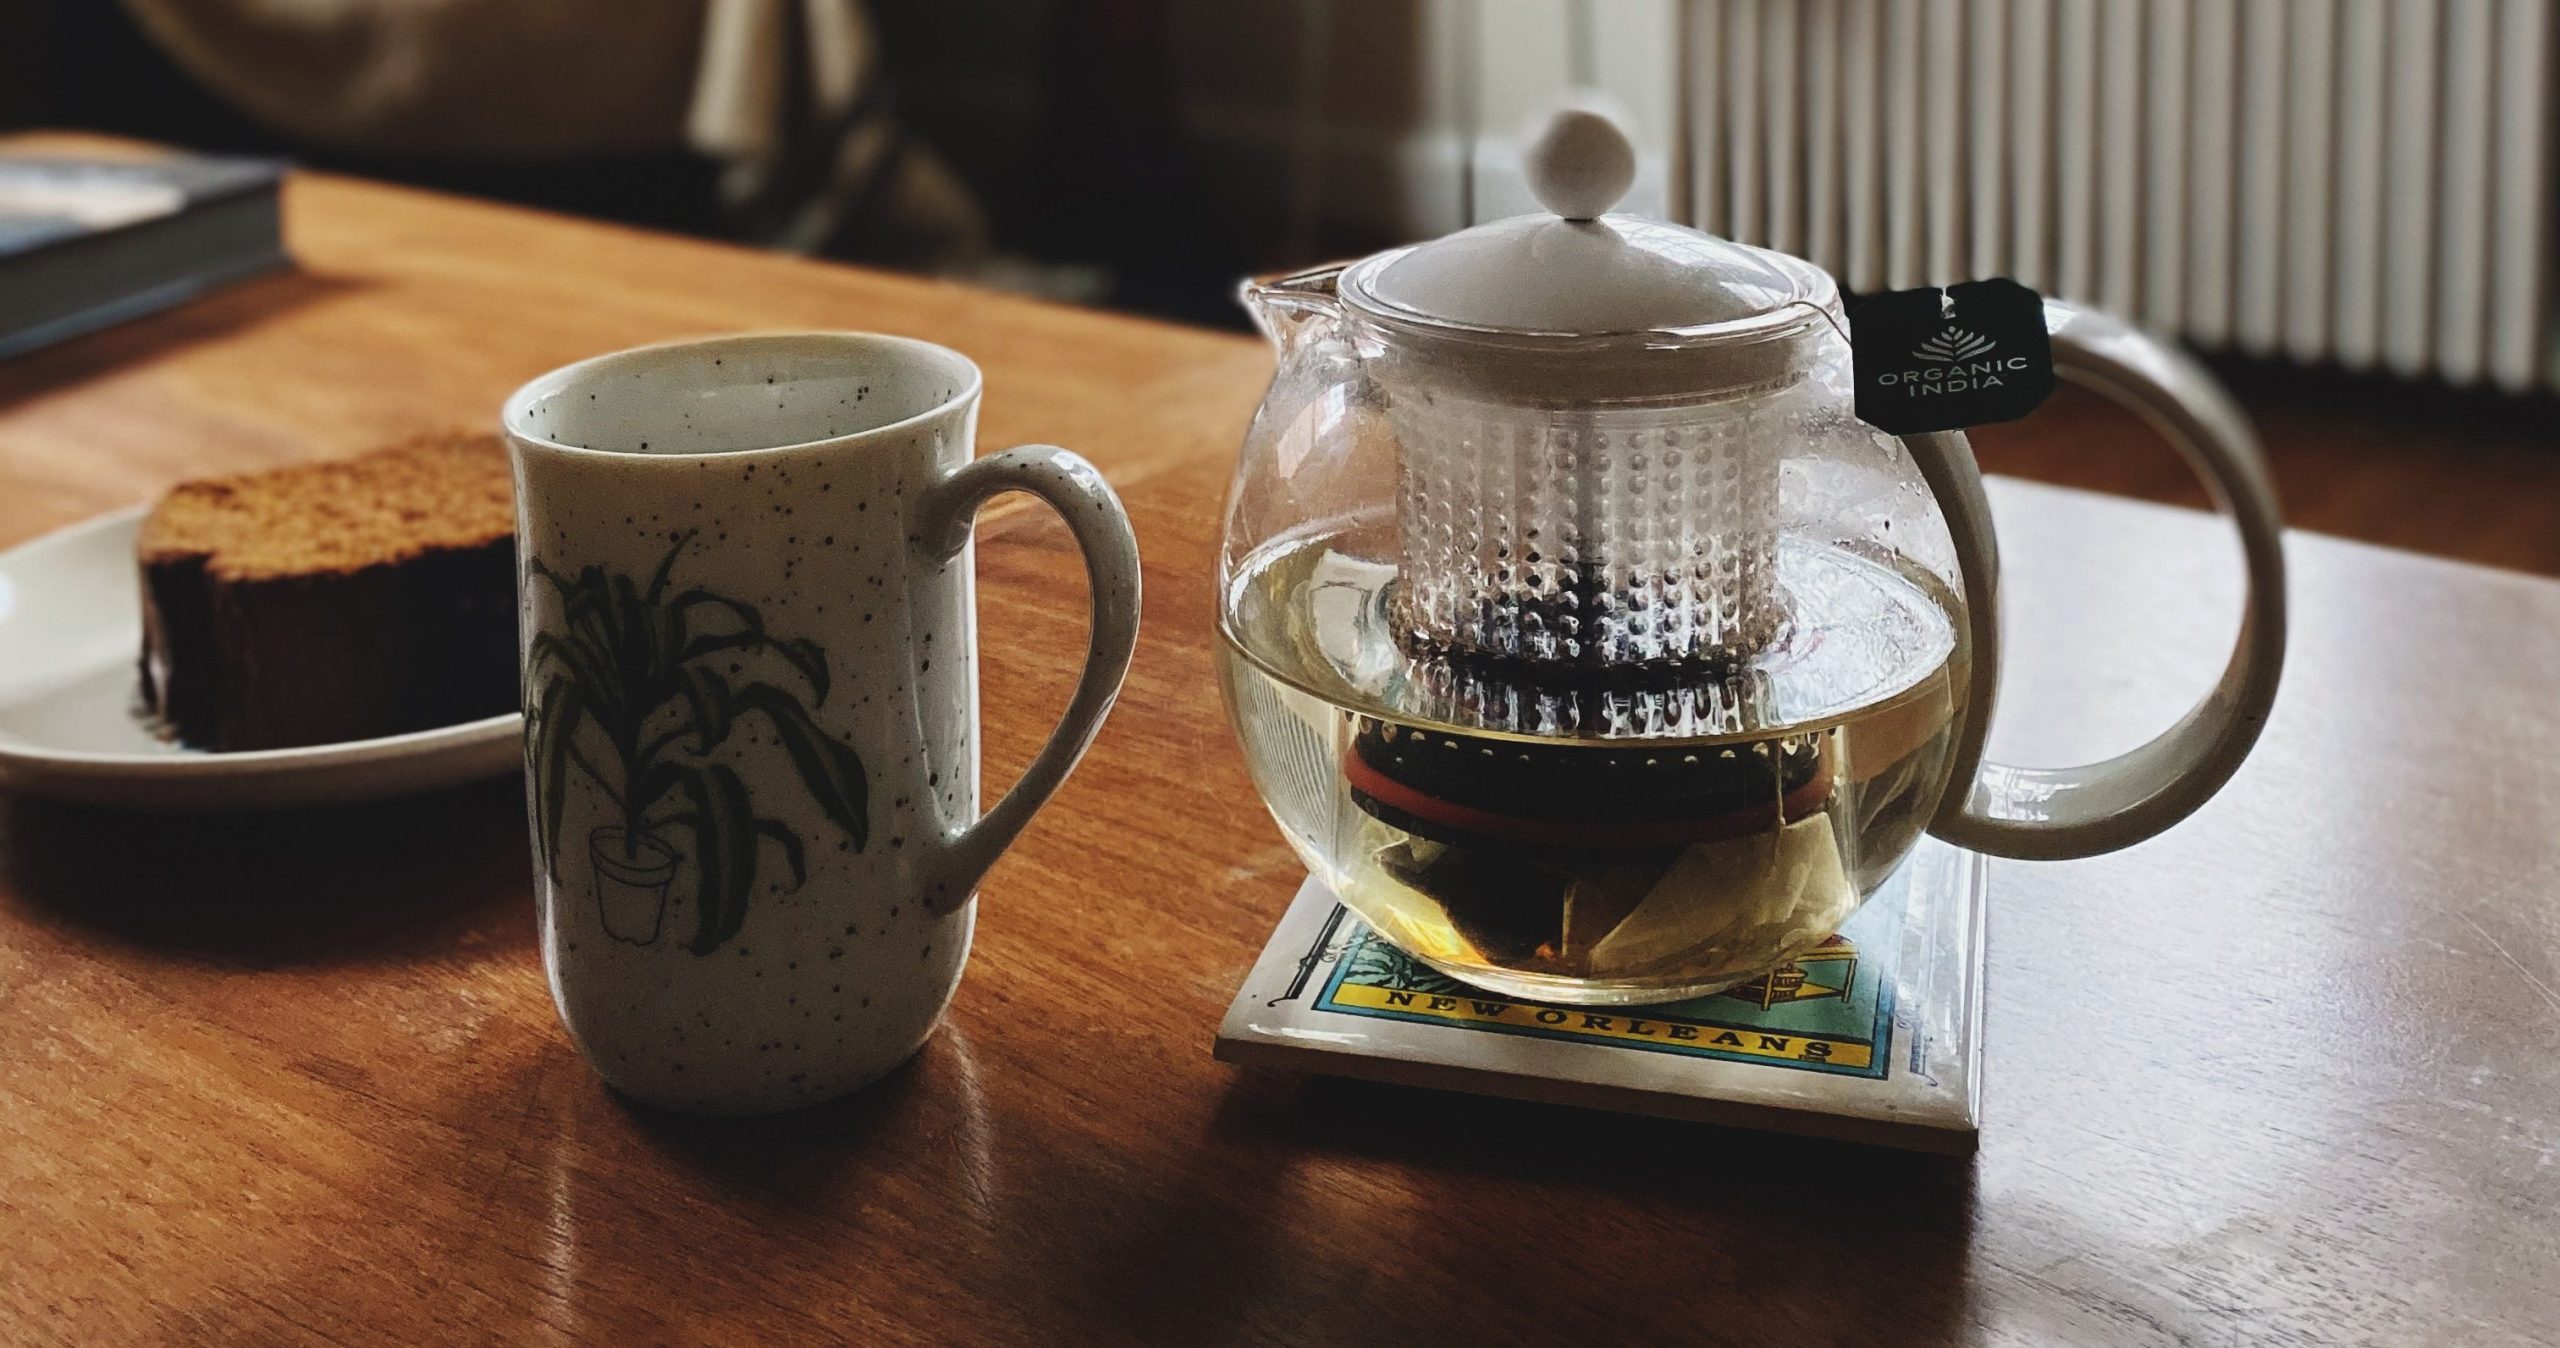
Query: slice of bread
(332, 601)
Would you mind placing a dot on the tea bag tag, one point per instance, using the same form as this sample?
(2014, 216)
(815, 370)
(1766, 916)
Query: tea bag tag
(1942, 360)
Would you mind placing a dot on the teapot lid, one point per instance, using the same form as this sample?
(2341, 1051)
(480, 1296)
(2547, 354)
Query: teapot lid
(1578, 269)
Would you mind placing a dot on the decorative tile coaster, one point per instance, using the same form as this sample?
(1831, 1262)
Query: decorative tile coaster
(1875, 1036)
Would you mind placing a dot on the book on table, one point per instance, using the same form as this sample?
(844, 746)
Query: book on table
(1874, 1036)
(88, 243)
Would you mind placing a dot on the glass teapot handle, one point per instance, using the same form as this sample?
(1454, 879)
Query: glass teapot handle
(2052, 814)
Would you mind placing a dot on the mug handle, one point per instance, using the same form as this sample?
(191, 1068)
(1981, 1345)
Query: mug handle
(2052, 814)
(1076, 490)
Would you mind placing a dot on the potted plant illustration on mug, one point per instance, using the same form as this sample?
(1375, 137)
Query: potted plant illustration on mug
(639, 690)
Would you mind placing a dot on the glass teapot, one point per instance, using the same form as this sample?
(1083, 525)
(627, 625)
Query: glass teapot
(1586, 643)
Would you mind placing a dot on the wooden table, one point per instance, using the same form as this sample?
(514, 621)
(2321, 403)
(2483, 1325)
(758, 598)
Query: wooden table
(2288, 1075)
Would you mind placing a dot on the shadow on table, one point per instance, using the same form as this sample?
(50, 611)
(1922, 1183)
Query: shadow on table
(381, 882)
(1688, 1229)
(794, 1154)
(775, 1158)
(215, 314)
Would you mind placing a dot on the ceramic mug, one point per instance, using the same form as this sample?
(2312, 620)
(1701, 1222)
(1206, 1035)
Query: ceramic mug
(751, 701)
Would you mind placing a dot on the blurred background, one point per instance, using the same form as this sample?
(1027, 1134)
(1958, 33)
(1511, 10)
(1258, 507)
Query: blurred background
(2345, 204)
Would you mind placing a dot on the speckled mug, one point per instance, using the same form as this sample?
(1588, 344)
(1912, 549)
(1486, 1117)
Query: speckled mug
(751, 701)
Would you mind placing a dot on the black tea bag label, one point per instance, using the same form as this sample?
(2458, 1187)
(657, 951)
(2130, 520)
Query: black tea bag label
(1932, 360)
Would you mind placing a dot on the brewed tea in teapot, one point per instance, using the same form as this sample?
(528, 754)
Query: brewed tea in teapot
(1586, 644)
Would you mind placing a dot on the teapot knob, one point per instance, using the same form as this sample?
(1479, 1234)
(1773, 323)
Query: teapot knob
(1581, 164)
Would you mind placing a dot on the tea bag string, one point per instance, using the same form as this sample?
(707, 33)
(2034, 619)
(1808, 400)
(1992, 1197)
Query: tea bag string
(1825, 314)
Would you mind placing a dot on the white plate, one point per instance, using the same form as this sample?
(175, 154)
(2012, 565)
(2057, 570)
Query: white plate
(70, 634)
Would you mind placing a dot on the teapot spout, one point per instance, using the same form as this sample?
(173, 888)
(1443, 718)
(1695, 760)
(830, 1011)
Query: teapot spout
(1292, 308)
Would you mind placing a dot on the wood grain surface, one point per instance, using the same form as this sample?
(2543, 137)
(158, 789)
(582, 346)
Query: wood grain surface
(2289, 1075)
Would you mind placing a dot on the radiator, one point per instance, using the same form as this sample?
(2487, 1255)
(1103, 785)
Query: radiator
(2359, 182)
